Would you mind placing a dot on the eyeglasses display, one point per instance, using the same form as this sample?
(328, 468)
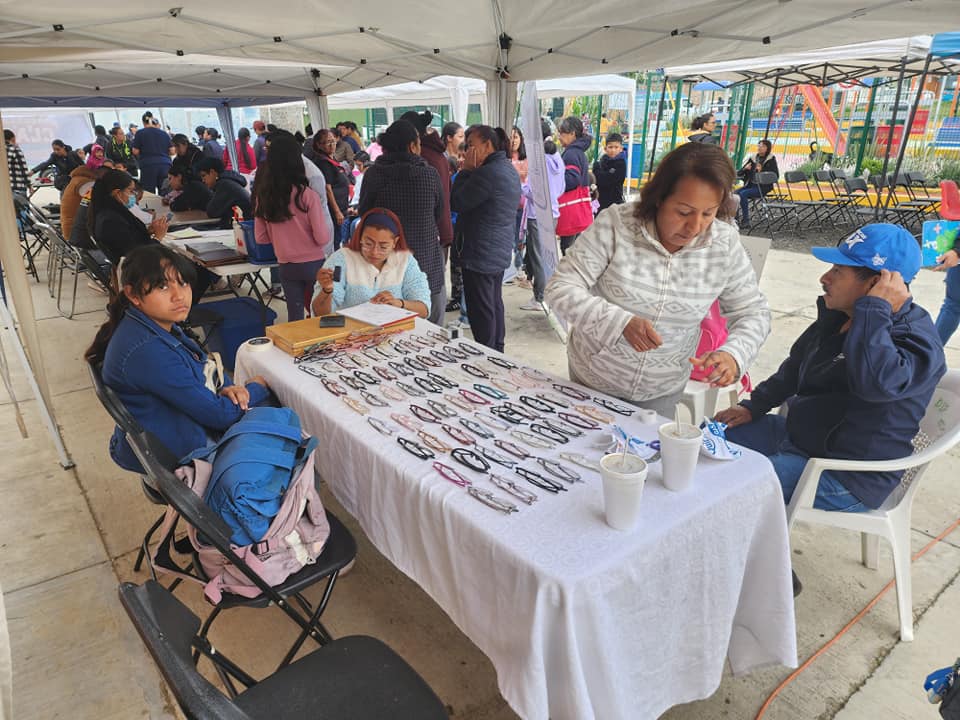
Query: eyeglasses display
(517, 416)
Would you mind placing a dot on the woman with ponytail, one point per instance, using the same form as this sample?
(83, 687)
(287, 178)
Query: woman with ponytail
(702, 129)
(155, 369)
(245, 155)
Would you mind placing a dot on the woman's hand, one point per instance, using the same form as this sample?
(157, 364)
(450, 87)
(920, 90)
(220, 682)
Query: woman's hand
(385, 297)
(158, 228)
(338, 216)
(325, 279)
(725, 370)
(733, 416)
(641, 335)
(239, 394)
(948, 260)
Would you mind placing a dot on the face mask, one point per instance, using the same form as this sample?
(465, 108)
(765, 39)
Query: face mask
(131, 201)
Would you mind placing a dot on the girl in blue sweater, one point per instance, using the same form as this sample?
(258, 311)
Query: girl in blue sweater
(155, 369)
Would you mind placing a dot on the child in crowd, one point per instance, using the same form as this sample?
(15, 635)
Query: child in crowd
(610, 171)
(155, 369)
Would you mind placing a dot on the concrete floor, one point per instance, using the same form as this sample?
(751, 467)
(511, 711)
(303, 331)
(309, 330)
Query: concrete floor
(76, 655)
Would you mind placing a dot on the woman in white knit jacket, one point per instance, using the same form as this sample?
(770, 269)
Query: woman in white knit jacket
(641, 278)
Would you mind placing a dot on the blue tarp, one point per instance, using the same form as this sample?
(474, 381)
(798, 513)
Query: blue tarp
(710, 85)
(945, 44)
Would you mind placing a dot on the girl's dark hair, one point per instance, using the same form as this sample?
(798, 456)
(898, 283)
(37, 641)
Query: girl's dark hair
(101, 196)
(705, 162)
(397, 137)
(495, 136)
(700, 121)
(199, 130)
(144, 269)
(549, 147)
(767, 144)
(522, 150)
(213, 133)
(282, 172)
(571, 125)
(180, 139)
(448, 131)
(243, 135)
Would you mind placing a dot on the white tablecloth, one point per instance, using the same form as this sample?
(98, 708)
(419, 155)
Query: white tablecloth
(579, 620)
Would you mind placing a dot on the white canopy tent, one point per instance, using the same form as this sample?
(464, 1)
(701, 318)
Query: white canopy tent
(844, 63)
(47, 50)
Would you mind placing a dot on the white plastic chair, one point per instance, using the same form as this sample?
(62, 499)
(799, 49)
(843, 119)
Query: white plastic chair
(698, 397)
(939, 431)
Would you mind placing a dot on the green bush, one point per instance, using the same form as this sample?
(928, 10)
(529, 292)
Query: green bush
(949, 170)
(874, 165)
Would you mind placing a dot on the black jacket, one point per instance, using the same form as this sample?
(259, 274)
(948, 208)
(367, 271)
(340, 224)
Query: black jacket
(186, 162)
(748, 173)
(702, 136)
(485, 200)
(116, 231)
(122, 153)
(858, 395)
(575, 164)
(64, 165)
(230, 190)
(195, 196)
(610, 174)
(408, 186)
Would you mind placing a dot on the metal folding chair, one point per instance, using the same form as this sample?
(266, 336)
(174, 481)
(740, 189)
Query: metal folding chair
(354, 678)
(339, 550)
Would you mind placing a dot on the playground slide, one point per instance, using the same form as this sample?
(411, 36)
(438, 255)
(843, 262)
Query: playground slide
(824, 117)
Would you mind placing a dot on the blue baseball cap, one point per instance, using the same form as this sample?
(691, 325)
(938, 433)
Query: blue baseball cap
(880, 246)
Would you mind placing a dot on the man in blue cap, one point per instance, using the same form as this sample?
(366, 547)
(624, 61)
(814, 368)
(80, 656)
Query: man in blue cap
(857, 381)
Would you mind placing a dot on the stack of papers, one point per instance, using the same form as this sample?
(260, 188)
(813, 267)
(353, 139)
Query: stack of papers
(381, 315)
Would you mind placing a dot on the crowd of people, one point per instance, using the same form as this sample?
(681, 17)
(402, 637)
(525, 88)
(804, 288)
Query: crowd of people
(382, 222)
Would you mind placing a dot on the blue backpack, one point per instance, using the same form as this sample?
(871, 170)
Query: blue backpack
(253, 464)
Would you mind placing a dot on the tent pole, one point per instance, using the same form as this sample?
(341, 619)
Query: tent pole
(866, 127)
(630, 121)
(676, 114)
(744, 126)
(26, 341)
(773, 103)
(646, 120)
(891, 187)
(656, 128)
(596, 141)
(893, 126)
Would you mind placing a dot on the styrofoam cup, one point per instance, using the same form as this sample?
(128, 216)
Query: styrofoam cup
(623, 479)
(678, 454)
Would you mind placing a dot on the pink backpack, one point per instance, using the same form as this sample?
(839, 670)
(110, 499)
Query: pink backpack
(713, 333)
(296, 537)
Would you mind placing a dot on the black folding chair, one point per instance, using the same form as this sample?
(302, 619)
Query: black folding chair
(339, 550)
(354, 678)
(128, 424)
(809, 211)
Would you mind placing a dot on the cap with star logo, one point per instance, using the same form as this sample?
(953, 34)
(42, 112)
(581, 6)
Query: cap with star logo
(880, 246)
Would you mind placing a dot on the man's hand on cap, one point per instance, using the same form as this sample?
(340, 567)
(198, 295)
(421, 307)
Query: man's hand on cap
(891, 287)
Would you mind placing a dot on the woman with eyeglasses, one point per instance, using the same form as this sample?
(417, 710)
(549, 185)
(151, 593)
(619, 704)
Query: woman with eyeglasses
(375, 266)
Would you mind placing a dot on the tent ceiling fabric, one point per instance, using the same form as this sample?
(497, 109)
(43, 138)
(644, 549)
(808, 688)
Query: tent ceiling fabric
(362, 45)
(825, 66)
